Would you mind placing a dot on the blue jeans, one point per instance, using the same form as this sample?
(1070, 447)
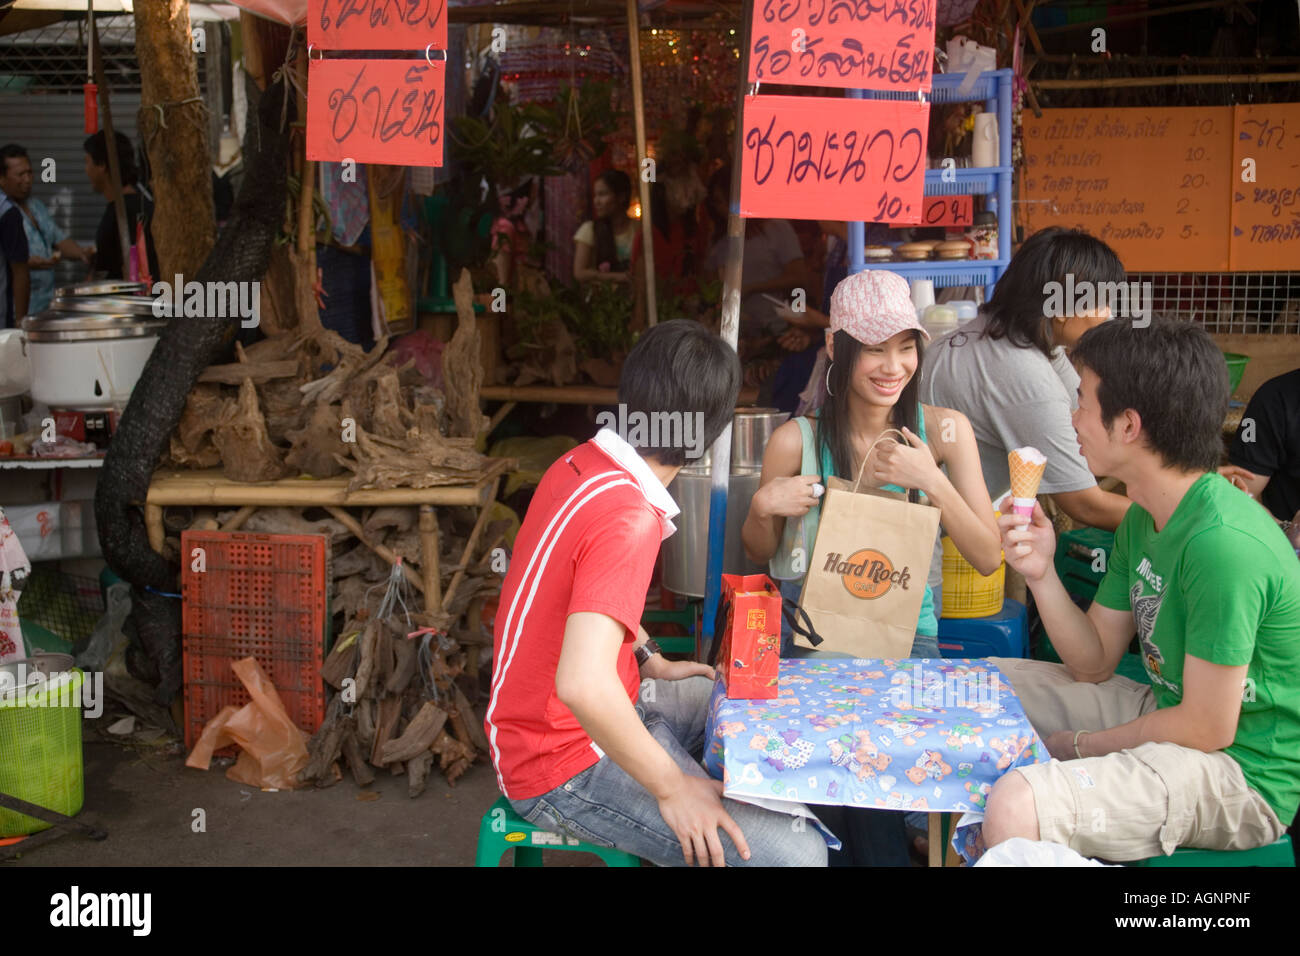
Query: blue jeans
(605, 806)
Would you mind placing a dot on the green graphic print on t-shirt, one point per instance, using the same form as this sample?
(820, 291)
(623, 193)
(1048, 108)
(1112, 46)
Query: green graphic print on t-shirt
(1220, 582)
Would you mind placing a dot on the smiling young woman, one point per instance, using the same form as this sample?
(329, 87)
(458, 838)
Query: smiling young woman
(875, 346)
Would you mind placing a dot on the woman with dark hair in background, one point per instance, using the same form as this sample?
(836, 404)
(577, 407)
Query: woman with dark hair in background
(603, 248)
(1007, 369)
(875, 346)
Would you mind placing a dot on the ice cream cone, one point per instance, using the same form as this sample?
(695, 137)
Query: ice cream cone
(1026, 466)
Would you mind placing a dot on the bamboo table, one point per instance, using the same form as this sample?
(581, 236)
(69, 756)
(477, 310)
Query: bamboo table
(212, 488)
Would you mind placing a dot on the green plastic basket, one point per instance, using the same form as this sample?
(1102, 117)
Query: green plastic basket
(40, 753)
(1236, 368)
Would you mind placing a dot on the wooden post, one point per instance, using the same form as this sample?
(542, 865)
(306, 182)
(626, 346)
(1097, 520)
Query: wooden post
(306, 222)
(124, 237)
(429, 558)
(638, 112)
(468, 553)
(153, 523)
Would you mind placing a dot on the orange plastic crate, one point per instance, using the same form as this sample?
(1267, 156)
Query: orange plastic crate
(261, 595)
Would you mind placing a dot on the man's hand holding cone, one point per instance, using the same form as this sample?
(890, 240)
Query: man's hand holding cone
(1028, 543)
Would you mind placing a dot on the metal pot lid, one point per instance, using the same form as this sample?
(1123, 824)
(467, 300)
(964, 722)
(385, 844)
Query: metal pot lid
(52, 326)
(119, 304)
(102, 287)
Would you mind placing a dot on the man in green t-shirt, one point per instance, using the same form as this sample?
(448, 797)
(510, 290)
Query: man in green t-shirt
(1209, 754)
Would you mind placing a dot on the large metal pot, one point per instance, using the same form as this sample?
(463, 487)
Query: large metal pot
(750, 430)
(686, 553)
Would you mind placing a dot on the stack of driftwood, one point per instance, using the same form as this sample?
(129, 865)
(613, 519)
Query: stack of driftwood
(305, 401)
(398, 708)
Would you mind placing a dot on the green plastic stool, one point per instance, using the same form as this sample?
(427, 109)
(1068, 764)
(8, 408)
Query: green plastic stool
(502, 829)
(1275, 854)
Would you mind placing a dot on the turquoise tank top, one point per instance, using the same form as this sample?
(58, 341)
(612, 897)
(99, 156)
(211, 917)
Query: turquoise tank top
(802, 532)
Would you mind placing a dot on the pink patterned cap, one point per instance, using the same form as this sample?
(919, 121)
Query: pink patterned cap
(874, 305)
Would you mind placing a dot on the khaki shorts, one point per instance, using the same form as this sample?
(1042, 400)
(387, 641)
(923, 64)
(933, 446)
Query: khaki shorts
(1132, 804)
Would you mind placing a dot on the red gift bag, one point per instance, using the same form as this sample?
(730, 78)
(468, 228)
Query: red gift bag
(750, 653)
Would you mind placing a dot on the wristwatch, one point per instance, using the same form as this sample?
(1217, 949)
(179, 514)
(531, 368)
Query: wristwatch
(645, 651)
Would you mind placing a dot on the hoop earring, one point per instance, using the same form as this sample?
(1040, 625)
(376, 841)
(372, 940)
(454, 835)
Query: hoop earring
(829, 366)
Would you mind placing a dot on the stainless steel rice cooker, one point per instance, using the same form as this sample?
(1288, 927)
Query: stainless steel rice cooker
(86, 358)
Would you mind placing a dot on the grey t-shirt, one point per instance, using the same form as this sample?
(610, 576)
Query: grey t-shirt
(1013, 397)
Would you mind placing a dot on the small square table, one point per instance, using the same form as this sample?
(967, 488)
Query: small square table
(916, 734)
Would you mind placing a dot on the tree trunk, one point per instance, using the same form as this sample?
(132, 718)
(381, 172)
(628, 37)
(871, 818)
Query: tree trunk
(176, 140)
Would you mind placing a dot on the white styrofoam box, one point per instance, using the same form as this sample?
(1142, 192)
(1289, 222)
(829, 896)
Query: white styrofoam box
(38, 529)
(55, 529)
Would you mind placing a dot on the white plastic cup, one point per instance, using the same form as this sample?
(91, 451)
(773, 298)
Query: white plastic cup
(922, 294)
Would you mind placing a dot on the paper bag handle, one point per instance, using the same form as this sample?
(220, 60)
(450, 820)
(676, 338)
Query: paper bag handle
(872, 448)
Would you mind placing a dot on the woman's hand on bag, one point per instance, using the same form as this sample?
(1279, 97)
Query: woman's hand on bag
(659, 667)
(907, 466)
(787, 497)
(1028, 545)
(694, 812)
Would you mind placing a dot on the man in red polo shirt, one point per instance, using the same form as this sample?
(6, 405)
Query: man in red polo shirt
(593, 733)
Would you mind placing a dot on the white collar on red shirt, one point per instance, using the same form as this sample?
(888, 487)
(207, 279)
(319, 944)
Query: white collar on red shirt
(613, 445)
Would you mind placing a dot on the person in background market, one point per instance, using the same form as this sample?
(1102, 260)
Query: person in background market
(1265, 453)
(582, 742)
(875, 346)
(46, 242)
(107, 257)
(773, 263)
(1007, 371)
(15, 276)
(603, 248)
(1209, 754)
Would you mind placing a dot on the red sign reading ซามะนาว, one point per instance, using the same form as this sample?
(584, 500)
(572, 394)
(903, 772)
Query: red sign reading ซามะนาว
(840, 159)
(375, 111)
(867, 44)
(377, 24)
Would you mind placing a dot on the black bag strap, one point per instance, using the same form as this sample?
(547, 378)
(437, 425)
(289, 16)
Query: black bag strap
(792, 612)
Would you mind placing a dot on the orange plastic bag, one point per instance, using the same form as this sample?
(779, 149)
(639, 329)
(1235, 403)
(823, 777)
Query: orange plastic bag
(271, 748)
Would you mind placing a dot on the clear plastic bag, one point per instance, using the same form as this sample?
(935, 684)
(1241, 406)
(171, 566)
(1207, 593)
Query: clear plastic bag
(107, 642)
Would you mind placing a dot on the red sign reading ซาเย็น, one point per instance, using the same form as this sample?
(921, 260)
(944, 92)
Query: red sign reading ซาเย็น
(376, 111)
(840, 159)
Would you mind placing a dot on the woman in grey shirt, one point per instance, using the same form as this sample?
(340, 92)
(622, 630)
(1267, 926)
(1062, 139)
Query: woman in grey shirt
(1008, 372)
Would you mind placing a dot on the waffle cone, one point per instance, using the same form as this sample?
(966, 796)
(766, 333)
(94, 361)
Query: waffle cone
(1025, 475)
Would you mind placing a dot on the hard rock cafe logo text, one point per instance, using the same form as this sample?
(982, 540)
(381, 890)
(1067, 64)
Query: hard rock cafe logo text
(867, 574)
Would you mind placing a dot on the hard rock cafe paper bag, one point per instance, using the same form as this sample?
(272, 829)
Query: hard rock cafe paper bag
(867, 575)
(750, 654)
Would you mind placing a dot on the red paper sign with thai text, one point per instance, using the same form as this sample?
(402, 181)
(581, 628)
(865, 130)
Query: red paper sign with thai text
(377, 24)
(842, 159)
(948, 211)
(860, 44)
(376, 111)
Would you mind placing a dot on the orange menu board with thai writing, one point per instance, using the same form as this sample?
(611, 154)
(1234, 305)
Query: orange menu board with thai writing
(1155, 184)
(1266, 187)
